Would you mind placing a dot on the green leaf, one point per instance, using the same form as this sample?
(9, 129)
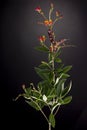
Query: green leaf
(58, 60)
(58, 70)
(65, 100)
(64, 76)
(32, 104)
(35, 93)
(66, 69)
(59, 87)
(66, 90)
(42, 48)
(50, 56)
(50, 97)
(57, 80)
(52, 120)
(57, 54)
(27, 92)
(45, 87)
(39, 86)
(50, 76)
(43, 73)
(61, 70)
(45, 65)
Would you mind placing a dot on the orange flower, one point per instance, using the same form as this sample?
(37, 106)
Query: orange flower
(42, 38)
(38, 9)
(48, 22)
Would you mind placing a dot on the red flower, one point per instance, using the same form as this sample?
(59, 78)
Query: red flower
(42, 39)
(38, 9)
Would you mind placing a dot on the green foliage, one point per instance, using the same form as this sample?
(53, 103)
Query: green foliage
(52, 91)
(42, 48)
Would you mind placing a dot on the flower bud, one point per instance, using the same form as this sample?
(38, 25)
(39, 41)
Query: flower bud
(38, 9)
(51, 48)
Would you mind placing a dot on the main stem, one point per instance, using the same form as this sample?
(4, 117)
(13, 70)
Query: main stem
(53, 68)
(49, 126)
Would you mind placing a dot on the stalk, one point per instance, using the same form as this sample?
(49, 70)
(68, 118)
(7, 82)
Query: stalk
(53, 65)
(49, 126)
(41, 110)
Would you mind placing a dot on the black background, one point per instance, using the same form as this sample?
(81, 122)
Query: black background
(19, 36)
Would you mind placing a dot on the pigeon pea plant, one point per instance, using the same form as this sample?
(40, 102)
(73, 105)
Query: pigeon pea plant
(52, 90)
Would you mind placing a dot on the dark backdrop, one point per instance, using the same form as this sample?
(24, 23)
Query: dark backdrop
(19, 36)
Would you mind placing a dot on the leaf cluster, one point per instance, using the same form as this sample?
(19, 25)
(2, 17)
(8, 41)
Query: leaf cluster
(52, 90)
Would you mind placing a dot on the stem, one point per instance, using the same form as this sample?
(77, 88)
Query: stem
(53, 68)
(50, 14)
(49, 126)
(44, 115)
(55, 21)
(57, 110)
(43, 15)
(41, 110)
